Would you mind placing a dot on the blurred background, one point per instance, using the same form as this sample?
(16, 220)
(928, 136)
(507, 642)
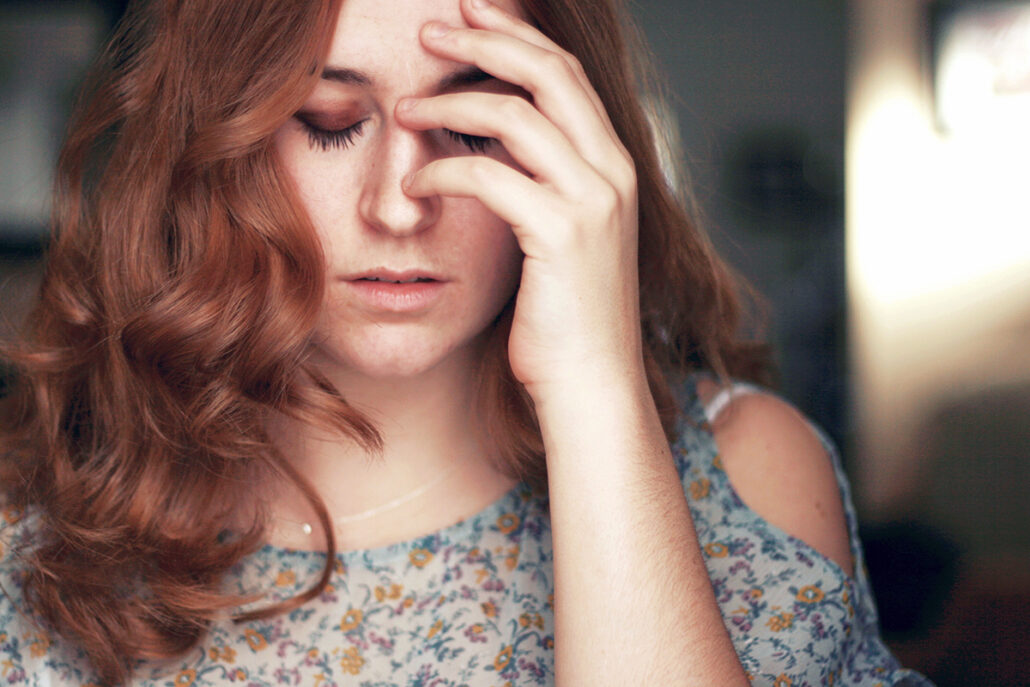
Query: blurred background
(866, 164)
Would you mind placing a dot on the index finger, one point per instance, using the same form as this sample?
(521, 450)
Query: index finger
(486, 15)
(546, 75)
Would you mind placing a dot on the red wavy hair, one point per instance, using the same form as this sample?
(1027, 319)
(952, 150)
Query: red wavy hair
(182, 286)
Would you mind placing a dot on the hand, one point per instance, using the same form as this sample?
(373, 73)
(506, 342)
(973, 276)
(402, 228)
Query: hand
(572, 204)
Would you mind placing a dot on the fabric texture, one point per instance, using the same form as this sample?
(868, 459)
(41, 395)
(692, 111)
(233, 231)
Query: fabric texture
(472, 604)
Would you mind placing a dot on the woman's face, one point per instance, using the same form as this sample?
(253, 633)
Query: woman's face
(348, 157)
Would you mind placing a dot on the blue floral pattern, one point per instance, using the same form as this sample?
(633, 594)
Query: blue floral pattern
(472, 604)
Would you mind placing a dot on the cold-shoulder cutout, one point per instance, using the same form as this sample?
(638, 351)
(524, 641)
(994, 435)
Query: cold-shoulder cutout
(778, 466)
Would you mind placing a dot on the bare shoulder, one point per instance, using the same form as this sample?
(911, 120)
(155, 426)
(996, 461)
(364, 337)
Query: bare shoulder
(779, 468)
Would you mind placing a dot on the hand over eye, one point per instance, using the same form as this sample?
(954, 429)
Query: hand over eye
(570, 196)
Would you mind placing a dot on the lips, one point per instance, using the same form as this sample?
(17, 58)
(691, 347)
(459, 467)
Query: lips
(407, 276)
(416, 280)
(406, 292)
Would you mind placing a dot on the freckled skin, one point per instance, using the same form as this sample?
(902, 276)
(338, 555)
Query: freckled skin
(355, 198)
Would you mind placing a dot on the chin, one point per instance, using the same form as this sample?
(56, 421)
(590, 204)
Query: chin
(394, 358)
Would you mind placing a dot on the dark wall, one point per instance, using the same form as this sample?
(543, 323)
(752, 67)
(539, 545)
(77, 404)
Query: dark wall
(758, 88)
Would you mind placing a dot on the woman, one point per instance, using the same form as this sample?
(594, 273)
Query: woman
(401, 280)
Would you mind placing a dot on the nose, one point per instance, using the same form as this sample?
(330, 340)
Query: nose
(383, 204)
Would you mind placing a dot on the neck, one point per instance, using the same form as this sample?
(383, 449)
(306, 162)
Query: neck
(428, 422)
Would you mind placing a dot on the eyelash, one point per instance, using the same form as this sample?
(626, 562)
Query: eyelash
(342, 138)
(477, 144)
(326, 139)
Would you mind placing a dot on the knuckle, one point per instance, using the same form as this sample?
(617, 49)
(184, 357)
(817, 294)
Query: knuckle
(479, 169)
(605, 198)
(555, 62)
(513, 110)
(575, 65)
(625, 172)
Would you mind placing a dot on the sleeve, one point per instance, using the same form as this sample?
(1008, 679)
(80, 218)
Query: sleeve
(795, 617)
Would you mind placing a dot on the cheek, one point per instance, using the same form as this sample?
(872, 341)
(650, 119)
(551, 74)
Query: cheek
(485, 245)
(319, 182)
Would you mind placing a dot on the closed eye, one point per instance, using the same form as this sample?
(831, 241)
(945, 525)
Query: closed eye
(331, 138)
(477, 144)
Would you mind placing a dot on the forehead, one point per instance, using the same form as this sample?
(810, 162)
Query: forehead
(383, 34)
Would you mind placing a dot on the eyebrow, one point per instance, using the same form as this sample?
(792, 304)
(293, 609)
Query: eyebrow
(461, 78)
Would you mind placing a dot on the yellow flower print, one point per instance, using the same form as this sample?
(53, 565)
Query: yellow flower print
(781, 621)
(810, 594)
(339, 568)
(534, 619)
(717, 550)
(476, 629)
(351, 619)
(40, 645)
(434, 629)
(185, 678)
(420, 557)
(352, 661)
(717, 463)
(255, 640)
(512, 559)
(503, 659)
(699, 489)
(489, 609)
(408, 602)
(782, 681)
(755, 593)
(847, 604)
(222, 653)
(11, 514)
(507, 523)
(285, 578)
(550, 600)
(394, 592)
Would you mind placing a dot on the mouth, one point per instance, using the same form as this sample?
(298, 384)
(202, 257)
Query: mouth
(416, 280)
(383, 275)
(407, 292)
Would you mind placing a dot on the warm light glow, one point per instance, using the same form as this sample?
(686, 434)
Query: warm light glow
(932, 210)
(983, 69)
(938, 237)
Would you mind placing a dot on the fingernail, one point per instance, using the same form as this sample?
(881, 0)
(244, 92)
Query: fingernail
(406, 181)
(407, 104)
(438, 29)
(481, 4)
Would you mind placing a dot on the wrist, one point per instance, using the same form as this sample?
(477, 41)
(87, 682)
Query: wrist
(586, 383)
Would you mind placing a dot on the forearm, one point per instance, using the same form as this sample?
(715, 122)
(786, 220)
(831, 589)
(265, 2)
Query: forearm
(633, 602)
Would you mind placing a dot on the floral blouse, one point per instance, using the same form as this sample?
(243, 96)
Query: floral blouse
(472, 604)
